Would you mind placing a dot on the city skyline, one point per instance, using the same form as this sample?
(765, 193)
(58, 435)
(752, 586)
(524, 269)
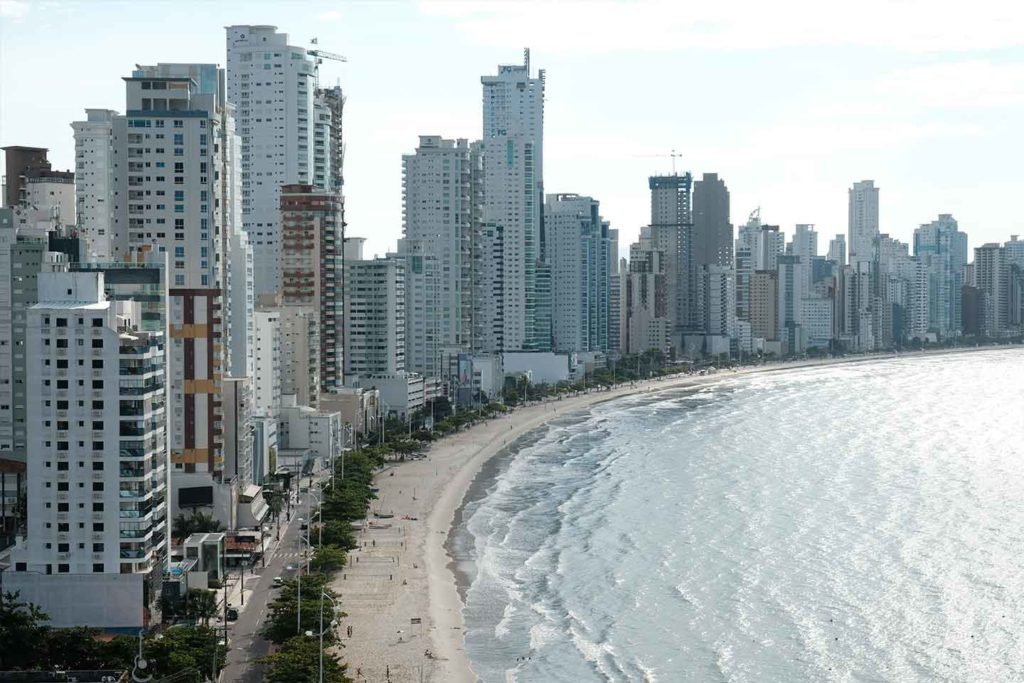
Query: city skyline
(926, 118)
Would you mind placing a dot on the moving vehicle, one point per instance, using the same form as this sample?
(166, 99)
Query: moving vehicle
(278, 582)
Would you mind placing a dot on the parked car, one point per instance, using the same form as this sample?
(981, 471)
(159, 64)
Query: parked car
(232, 614)
(278, 581)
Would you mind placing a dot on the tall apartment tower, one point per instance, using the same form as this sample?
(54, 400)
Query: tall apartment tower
(942, 249)
(513, 140)
(580, 257)
(375, 308)
(837, 250)
(440, 220)
(328, 145)
(712, 231)
(992, 277)
(764, 304)
(272, 86)
(176, 192)
(312, 271)
(97, 541)
(94, 180)
(863, 221)
(671, 233)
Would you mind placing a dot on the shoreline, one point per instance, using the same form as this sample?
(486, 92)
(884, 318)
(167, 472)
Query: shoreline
(405, 572)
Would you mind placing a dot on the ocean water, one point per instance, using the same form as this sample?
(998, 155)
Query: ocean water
(859, 522)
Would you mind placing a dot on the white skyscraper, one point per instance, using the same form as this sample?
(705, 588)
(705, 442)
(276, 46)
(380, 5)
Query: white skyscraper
(837, 250)
(513, 139)
(375, 313)
(97, 539)
(94, 180)
(440, 221)
(272, 86)
(579, 252)
(267, 359)
(863, 221)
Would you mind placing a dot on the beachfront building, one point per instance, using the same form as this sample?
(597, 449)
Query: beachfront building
(942, 249)
(312, 269)
(441, 217)
(177, 193)
(272, 87)
(375, 315)
(96, 546)
(513, 178)
(579, 251)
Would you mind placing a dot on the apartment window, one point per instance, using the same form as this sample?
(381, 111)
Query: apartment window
(62, 507)
(62, 322)
(97, 466)
(96, 343)
(97, 405)
(97, 322)
(97, 486)
(97, 527)
(97, 425)
(62, 446)
(97, 568)
(97, 446)
(63, 547)
(63, 568)
(61, 485)
(97, 364)
(62, 343)
(179, 139)
(97, 384)
(97, 507)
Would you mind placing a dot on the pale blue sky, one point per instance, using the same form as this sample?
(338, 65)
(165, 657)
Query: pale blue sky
(789, 101)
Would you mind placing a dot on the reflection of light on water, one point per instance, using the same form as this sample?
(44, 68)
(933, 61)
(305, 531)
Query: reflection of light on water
(786, 526)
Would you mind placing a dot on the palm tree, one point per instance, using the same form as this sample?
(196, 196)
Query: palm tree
(275, 504)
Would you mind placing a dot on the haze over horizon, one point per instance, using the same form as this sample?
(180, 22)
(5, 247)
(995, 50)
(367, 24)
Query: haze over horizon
(788, 103)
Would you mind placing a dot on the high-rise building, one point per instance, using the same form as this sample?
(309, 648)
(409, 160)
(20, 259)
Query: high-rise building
(440, 221)
(20, 164)
(579, 254)
(266, 398)
(991, 274)
(863, 221)
(94, 180)
(719, 307)
(764, 305)
(712, 231)
(617, 287)
(328, 144)
(792, 287)
(837, 250)
(648, 320)
(176, 192)
(375, 314)
(671, 233)
(272, 86)
(312, 269)
(942, 249)
(96, 548)
(513, 142)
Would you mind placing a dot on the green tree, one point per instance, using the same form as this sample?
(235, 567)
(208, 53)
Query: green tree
(339, 534)
(76, 648)
(329, 558)
(201, 604)
(22, 633)
(281, 619)
(299, 660)
(198, 522)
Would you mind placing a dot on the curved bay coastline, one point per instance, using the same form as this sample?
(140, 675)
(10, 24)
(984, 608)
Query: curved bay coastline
(438, 565)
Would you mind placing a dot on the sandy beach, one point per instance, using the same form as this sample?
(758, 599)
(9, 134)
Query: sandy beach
(398, 589)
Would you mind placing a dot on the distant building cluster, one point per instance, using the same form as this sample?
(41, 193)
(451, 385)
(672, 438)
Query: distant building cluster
(184, 318)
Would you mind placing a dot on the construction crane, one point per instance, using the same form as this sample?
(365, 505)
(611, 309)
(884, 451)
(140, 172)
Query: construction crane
(320, 56)
(673, 155)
